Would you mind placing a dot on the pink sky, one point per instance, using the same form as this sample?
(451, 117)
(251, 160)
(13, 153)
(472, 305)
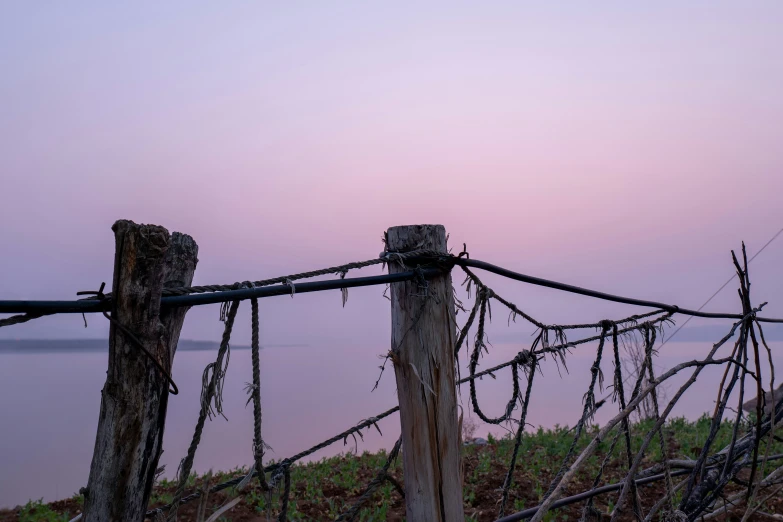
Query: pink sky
(626, 150)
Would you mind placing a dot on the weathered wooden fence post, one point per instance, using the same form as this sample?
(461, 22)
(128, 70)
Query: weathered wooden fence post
(135, 396)
(423, 337)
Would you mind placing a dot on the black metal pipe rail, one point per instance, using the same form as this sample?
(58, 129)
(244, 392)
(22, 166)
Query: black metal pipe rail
(489, 267)
(94, 305)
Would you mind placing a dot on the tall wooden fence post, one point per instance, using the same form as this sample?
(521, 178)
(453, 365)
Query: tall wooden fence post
(423, 337)
(135, 396)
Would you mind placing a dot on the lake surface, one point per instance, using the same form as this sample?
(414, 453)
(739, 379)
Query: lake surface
(49, 404)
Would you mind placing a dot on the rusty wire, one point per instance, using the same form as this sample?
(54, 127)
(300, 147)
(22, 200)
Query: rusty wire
(707, 478)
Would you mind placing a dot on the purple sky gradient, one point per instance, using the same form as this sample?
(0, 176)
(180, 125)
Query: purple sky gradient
(627, 149)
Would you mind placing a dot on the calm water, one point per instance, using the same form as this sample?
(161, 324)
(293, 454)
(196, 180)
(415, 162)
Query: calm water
(49, 405)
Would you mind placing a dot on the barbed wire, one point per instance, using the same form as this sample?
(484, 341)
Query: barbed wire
(522, 358)
(696, 499)
(381, 477)
(540, 347)
(191, 296)
(705, 481)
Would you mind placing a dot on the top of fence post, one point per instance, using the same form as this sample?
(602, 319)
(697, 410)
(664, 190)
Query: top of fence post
(135, 396)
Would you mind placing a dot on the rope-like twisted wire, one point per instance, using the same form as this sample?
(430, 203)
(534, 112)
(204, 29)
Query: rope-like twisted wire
(19, 319)
(284, 467)
(214, 384)
(515, 310)
(588, 509)
(589, 400)
(207, 396)
(258, 442)
(474, 357)
(375, 483)
(649, 340)
(286, 495)
(619, 389)
(464, 332)
(522, 358)
(637, 387)
(341, 269)
(518, 439)
(649, 337)
(372, 421)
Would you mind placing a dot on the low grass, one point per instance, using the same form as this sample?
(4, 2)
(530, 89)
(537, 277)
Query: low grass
(322, 490)
(37, 511)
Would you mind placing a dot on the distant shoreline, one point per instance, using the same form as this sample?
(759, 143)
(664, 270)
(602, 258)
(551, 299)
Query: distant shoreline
(694, 334)
(101, 345)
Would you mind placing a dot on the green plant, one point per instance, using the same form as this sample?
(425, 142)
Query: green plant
(37, 511)
(324, 489)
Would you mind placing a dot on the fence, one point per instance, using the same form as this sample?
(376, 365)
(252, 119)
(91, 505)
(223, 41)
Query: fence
(151, 294)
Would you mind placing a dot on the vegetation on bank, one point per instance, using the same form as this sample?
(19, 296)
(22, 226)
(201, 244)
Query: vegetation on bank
(324, 489)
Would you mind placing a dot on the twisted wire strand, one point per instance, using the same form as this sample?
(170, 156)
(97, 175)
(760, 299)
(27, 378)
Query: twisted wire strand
(702, 495)
(589, 510)
(19, 319)
(649, 337)
(518, 439)
(589, 400)
(173, 389)
(212, 384)
(545, 328)
(462, 336)
(258, 442)
(631, 479)
(629, 319)
(484, 293)
(520, 358)
(696, 466)
(207, 396)
(386, 257)
(442, 259)
(698, 469)
(464, 331)
(372, 421)
(284, 466)
(619, 389)
(375, 483)
(650, 334)
(649, 343)
(556, 349)
(286, 495)
(479, 345)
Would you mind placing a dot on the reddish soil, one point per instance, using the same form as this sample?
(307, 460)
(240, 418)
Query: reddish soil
(483, 507)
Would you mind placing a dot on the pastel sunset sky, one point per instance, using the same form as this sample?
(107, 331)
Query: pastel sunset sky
(626, 148)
